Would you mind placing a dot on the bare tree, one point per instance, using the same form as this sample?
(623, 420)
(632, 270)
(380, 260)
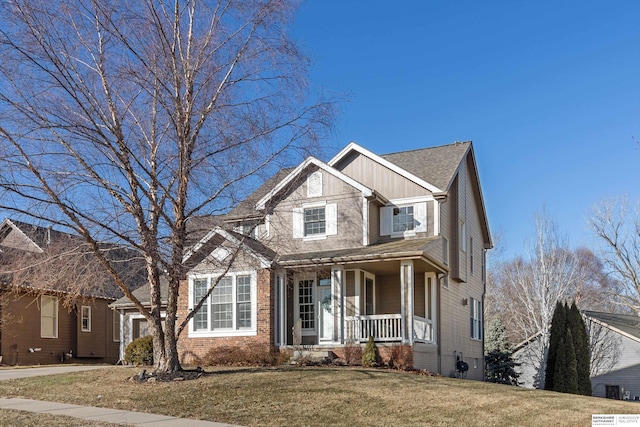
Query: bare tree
(122, 120)
(617, 228)
(530, 288)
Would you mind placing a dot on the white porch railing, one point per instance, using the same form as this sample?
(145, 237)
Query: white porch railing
(382, 327)
(422, 329)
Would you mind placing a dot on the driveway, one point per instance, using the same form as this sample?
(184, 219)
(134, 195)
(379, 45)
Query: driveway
(9, 374)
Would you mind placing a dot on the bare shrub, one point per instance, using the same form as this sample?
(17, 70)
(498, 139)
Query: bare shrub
(253, 355)
(401, 357)
(352, 353)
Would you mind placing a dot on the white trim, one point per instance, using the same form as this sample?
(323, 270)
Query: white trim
(436, 217)
(314, 184)
(8, 222)
(337, 287)
(296, 303)
(355, 147)
(366, 191)
(365, 222)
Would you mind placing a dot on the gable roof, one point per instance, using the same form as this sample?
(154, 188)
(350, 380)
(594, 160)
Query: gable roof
(295, 173)
(246, 209)
(624, 324)
(195, 254)
(22, 243)
(142, 294)
(435, 165)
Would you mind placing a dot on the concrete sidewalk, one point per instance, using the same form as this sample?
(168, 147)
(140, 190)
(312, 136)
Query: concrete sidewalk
(114, 416)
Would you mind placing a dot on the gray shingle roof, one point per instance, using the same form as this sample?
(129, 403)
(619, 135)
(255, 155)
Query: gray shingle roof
(436, 165)
(246, 208)
(142, 294)
(625, 323)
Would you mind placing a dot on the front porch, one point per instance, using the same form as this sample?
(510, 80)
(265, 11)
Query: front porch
(393, 301)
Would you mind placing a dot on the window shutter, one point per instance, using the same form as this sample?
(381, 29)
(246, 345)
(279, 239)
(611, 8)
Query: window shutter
(314, 184)
(298, 223)
(386, 213)
(331, 218)
(420, 217)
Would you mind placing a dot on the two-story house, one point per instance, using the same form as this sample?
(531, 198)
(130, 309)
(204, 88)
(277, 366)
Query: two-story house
(327, 254)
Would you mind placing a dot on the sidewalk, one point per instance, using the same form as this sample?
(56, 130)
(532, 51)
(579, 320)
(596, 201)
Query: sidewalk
(114, 416)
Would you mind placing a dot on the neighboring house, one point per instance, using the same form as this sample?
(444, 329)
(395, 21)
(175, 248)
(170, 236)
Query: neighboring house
(327, 254)
(615, 359)
(620, 378)
(132, 323)
(44, 319)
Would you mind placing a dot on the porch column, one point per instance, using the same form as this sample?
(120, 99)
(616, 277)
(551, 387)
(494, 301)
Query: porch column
(280, 307)
(337, 278)
(407, 283)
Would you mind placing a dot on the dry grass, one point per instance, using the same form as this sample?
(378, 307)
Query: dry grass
(29, 419)
(321, 396)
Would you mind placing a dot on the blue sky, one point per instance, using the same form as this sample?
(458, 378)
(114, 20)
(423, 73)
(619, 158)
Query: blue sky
(548, 91)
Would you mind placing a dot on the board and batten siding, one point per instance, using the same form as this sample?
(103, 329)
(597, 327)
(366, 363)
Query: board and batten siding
(349, 217)
(390, 184)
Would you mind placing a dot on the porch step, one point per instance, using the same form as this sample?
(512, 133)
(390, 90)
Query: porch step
(312, 355)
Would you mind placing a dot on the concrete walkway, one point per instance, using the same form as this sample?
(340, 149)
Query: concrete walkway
(114, 416)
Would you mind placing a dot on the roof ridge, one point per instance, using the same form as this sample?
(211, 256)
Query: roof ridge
(427, 148)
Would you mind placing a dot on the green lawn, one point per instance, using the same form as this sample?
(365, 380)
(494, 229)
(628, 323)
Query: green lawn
(320, 396)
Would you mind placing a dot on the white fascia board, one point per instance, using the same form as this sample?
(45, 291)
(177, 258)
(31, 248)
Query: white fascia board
(195, 248)
(366, 192)
(411, 177)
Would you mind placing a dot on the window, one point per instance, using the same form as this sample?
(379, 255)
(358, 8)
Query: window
(476, 319)
(116, 326)
(48, 316)
(471, 254)
(231, 308)
(306, 303)
(314, 221)
(85, 318)
(403, 219)
(463, 236)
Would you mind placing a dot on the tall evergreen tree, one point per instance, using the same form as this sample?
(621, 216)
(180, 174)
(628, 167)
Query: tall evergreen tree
(566, 373)
(557, 332)
(581, 344)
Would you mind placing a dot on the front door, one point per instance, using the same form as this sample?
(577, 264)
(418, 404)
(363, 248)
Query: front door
(325, 310)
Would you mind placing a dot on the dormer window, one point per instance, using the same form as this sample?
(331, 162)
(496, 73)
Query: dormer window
(403, 219)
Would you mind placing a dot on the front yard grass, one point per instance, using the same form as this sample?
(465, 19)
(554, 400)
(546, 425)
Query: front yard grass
(319, 396)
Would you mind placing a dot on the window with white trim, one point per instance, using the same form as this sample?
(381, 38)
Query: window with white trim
(230, 309)
(403, 219)
(48, 316)
(315, 221)
(476, 319)
(85, 314)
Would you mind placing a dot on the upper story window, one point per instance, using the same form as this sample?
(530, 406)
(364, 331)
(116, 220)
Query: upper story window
(403, 219)
(315, 221)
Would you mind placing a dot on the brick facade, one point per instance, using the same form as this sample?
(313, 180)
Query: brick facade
(193, 350)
